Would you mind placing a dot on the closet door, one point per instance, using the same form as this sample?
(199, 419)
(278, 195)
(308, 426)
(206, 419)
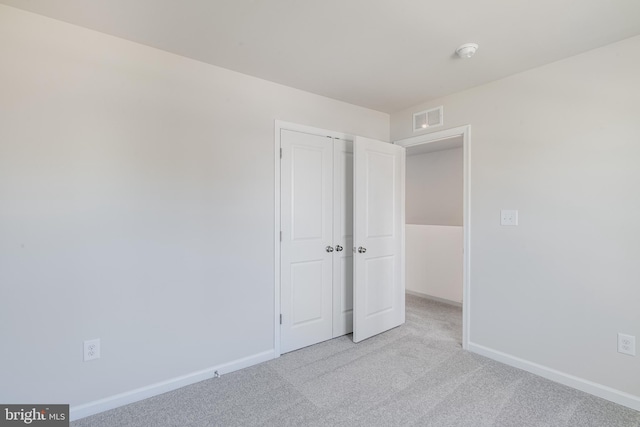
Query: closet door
(307, 240)
(342, 237)
(379, 172)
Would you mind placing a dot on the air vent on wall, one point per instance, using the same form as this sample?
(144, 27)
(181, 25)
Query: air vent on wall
(428, 119)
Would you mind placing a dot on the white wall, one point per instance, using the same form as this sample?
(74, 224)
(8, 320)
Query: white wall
(136, 206)
(434, 195)
(434, 188)
(434, 261)
(561, 144)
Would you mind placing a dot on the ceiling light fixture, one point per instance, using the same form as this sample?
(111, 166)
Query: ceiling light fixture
(467, 50)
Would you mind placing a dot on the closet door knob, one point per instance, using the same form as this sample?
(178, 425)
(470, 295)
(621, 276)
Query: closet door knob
(339, 248)
(329, 248)
(362, 250)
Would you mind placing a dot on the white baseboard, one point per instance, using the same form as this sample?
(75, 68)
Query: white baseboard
(97, 406)
(608, 393)
(431, 297)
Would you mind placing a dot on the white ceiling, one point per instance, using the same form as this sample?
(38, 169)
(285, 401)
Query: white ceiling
(385, 55)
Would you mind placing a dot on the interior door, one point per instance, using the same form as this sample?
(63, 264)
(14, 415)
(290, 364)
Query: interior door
(342, 237)
(307, 239)
(379, 301)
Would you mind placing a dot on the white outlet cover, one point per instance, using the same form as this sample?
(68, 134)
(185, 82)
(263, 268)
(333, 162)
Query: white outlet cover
(508, 217)
(92, 349)
(627, 344)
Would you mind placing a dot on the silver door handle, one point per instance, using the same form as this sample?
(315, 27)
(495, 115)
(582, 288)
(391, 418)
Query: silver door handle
(329, 248)
(339, 248)
(362, 250)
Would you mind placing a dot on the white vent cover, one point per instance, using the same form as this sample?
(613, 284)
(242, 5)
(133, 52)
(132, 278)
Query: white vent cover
(428, 119)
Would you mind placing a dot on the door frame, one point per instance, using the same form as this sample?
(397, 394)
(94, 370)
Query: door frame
(278, 126)
(465, 133)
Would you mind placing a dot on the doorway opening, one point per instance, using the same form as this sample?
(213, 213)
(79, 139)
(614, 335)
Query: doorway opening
(438, 211)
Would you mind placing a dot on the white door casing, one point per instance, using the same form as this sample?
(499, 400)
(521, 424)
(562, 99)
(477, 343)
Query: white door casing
(379, 287)
(307, 233)
(317, 185)
(465, 133)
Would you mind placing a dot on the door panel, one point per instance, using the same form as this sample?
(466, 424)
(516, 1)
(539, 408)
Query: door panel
(307, 200)
(379, 190)
(379, 302)
(379, 297)
(306, 292)
(306, 224)
(343, 237)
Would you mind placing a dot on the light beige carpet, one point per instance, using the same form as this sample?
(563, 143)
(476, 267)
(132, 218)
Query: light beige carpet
(416, 374)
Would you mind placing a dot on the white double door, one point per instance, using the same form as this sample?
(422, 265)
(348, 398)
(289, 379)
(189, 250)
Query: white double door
(342, 242)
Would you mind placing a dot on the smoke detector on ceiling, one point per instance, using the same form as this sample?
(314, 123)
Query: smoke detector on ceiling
(467, 50)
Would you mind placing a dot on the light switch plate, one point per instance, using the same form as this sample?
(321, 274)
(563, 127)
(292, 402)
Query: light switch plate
(508, 217)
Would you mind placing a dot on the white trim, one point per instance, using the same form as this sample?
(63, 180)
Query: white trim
(276, 240)
(433, 136)
(101, 405)
(465, 132)
(279, 125)
(432, 298)
(608, 393)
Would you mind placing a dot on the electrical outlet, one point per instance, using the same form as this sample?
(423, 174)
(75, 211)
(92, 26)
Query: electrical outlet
(508, 217)
(627, 344)
(92, 349)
